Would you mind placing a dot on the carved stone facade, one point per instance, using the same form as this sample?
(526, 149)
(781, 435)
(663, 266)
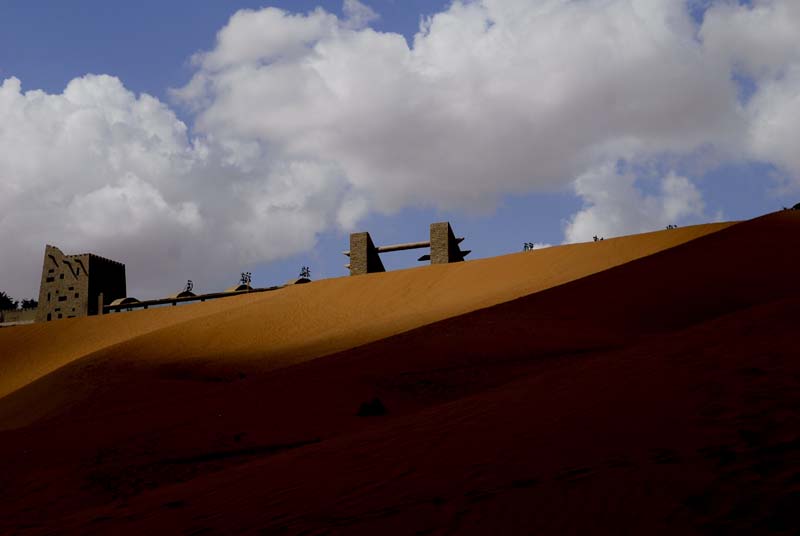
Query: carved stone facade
(444, 246)
(72, 285)
(364, 258)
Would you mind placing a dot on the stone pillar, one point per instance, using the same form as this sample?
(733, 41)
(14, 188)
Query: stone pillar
(444, 246)
(364, 258)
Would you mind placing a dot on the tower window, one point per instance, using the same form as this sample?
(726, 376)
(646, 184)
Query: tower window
(61, 276)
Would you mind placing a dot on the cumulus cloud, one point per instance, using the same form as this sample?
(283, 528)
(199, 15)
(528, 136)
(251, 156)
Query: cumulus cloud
(761, 42)
(307, 122)
(358, 15)
(96, 168)
(615, 205)
(491, 97)
(775, 118)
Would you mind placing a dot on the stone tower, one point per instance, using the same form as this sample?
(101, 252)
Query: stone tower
(444, 244)
(364, 258)
(71, 285)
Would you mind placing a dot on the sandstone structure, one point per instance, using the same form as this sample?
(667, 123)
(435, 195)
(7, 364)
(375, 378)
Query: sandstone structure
(77, 285)
(444, 245)
(365, 258)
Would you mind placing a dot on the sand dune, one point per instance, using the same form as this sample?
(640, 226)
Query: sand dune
(29, 352)
(296, 323)
(686, 435)
(658, 396)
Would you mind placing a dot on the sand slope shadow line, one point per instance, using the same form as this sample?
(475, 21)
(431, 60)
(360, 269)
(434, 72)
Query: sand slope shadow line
(302, 350)
(23, 335)
(132, 346)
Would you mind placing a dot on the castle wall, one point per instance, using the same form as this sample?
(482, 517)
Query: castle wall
(17, 316)
(70, 284)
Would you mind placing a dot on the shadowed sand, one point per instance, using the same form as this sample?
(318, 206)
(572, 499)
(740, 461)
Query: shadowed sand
(660, 396)
(306, 321)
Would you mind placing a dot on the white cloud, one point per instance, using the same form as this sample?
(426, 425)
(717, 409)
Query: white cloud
(128, 208)
(266, 35)
(98, 169)
(358, 15)
(616, 206)
(762, 42)
(493, 97)
(758, 41)
(775, 121)
(306, 122)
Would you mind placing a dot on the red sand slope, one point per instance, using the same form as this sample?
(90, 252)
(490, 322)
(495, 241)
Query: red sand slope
(660, 396)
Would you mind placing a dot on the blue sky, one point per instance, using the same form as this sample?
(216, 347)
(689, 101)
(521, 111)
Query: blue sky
(148, 45)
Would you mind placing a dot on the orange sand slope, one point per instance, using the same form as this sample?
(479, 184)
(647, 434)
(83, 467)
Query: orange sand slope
(274, 329)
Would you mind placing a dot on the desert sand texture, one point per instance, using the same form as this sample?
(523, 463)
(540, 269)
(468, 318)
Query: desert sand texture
(659, 396)
(301, 322)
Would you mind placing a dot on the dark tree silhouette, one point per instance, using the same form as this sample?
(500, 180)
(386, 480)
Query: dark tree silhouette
(29, 304)
(7, 302)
